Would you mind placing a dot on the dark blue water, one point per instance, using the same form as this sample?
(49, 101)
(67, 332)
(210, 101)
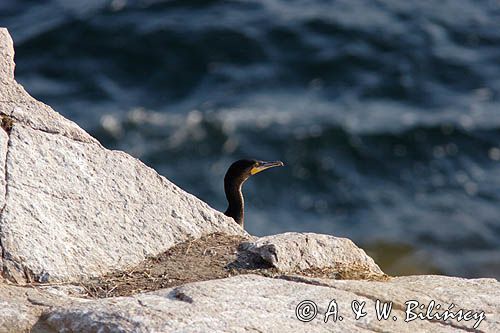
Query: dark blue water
(386, 113)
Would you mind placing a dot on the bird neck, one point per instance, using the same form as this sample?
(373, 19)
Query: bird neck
(236, 204)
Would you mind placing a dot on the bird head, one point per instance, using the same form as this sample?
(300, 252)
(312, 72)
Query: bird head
(241, 170)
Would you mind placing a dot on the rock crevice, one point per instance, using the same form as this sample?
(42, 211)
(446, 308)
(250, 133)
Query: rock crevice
(4, 148)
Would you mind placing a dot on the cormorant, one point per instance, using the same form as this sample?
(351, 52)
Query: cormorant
(236, 175)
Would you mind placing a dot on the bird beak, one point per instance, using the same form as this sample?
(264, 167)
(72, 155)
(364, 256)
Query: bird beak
(261, 166)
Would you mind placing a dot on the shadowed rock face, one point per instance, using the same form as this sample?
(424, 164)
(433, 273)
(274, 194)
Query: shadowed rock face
(73, 209)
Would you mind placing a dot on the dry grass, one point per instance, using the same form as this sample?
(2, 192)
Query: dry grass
(211, 257)
(194, 260)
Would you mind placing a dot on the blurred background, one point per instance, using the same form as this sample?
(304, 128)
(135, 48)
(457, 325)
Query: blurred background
(386, 113)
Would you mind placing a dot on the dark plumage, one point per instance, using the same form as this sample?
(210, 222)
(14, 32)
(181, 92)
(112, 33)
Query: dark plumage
(236, 175)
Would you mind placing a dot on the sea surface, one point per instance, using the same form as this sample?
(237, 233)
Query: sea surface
(386, 113)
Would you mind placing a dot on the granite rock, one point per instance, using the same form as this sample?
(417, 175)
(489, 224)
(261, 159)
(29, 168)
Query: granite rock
(250, 303)
(292, 252)
(72, 209)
